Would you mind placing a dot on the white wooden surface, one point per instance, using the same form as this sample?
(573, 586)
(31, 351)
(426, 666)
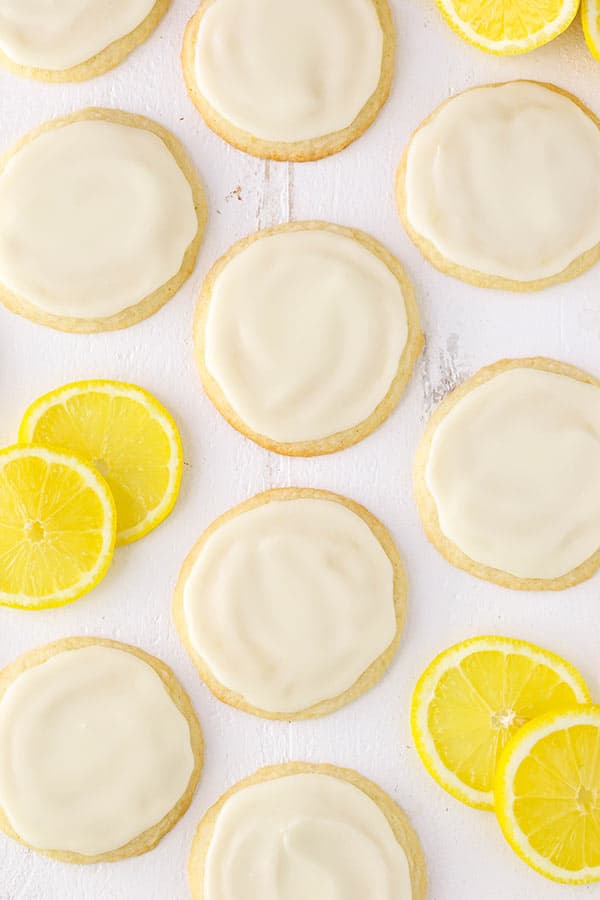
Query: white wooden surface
(466, 328)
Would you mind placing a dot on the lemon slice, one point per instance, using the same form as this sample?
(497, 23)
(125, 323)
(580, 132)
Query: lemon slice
(548, 794)
(123, 432)
(506, 27)
(473, 698)
(590, 18)
(57, 527)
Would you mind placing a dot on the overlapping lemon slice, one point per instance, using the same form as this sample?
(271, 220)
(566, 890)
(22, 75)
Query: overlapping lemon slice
(126, 434)
(471, 700)
(590, 18)
(548, 794)
(57, 527)
(509, 26)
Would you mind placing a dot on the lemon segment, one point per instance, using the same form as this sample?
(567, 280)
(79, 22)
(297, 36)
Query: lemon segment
(126, 434)
(590, 19)
(57, 527)
(507, 27)
(471, 700)
(547, 791)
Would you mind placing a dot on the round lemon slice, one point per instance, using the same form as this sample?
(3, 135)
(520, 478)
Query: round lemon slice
(590, 18)
(125, 433)
(473, 697)
(547, 791)
(507, 27)
(57, 527)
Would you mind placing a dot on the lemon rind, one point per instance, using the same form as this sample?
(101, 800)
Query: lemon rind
(515, 751)
(101, 488)
(509, 47)
(446, 660)
(590, 20)
(60, 395)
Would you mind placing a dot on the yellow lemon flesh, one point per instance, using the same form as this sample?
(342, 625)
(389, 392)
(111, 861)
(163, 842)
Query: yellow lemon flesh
(590, 18)
(509, 26)
(548, 794)
(57, 527)
(123, 432)
(473, 698)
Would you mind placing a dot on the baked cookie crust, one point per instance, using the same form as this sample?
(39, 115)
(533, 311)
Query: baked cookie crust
(294, 151)
(153, 302)
(149, 838)
(342, 439)
(471, 276)
(368, 678)
(426, 504)
(102, 62)
(396, 817)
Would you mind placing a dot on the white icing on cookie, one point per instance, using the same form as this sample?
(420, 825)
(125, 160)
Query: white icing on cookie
(305, 332)
(514, 469)
(505, 181)
(93, 751)
(94, 217)
(284, 70)
(290, 602)
(49, 35)
(302, 836)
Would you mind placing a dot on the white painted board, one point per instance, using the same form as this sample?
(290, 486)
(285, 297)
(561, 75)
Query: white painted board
(466, 328)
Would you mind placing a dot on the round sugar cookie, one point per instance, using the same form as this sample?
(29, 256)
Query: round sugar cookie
(292, 604)
(100, 750)
(305, 336)
(101, 218)
(500, 186)
(75, 39)
(290, 829)
(507, 475)
(287, 80)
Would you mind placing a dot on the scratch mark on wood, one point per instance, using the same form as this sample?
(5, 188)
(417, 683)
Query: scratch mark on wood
(276, 195)
(290, 192)
(235, 194)
(442, 374)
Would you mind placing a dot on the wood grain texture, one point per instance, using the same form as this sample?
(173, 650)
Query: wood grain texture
(466, 328)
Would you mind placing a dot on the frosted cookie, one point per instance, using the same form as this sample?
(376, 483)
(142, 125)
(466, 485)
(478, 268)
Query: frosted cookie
(288, 80)
(302, 830)
(74, 39)
(292, 603)
(500, 186)
(306, 336)
(100, 750)
(507, 475)
(101, 218)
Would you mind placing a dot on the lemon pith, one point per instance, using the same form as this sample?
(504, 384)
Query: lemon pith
(547, 793)
(508, 27)
(57, 527)
(473, 697)
(590, 19)
(126, 434)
